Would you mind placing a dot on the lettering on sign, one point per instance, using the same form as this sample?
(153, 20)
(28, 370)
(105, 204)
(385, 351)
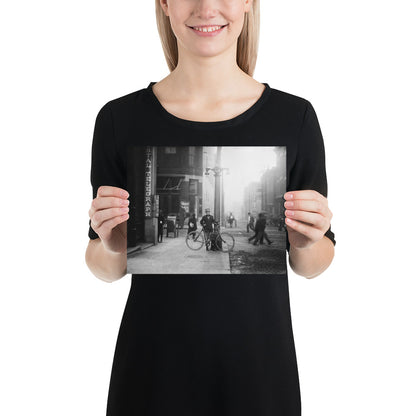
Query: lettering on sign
(148, 183)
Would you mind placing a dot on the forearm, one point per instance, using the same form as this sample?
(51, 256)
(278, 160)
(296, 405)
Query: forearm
(103, 264)
(312, 261)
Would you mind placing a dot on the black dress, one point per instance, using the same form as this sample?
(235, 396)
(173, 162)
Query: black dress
(207, 345)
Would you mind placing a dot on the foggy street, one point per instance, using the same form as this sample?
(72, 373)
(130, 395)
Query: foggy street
(174, 257)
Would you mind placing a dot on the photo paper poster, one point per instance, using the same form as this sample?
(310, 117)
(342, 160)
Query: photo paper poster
(206, 210)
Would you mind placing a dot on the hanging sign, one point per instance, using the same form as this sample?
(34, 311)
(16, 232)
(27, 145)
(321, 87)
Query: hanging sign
(148, 183)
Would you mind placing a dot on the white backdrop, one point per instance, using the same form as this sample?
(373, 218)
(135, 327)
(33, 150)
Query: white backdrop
(353, 324)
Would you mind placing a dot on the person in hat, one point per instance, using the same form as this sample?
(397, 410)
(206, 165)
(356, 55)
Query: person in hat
(207, 222)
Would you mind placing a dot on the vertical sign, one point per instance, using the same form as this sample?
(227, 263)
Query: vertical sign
(156, 206)
(148, 183)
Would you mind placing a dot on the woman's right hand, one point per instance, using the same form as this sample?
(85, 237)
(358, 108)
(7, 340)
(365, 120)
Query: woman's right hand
(109, 214)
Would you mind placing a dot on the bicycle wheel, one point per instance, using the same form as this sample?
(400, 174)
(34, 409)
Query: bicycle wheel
(194, 240)
(225, 242)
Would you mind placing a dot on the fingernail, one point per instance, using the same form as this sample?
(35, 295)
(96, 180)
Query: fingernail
(289, 196)
(289, 203)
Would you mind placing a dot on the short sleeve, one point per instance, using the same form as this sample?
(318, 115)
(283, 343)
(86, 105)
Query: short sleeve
(309, 170)
(107, 167)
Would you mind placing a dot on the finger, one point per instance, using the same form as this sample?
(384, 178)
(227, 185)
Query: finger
(316, 220)
(99, 217)
(307, 230)
(105, 190)
(311, 205)
(304, 194)
(101, 203)
(109, 202)
(104, 230)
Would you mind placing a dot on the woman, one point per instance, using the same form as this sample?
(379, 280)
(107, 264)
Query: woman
(216, 344)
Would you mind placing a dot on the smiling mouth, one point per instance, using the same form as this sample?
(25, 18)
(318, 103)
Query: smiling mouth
(207, 29)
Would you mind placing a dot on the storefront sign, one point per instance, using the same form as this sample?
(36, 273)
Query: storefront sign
(148, 183)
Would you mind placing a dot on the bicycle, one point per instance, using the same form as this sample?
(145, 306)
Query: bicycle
(223, 241)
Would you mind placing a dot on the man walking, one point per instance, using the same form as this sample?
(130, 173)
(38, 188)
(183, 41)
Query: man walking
(260, 230)
(250, 222)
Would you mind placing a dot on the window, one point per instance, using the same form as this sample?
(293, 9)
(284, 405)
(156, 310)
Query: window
(193, 186)
(191, 155)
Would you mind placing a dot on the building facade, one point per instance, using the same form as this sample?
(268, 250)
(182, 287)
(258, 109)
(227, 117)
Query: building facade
(171, 179)
(180, 180)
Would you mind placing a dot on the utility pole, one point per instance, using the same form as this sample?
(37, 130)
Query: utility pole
(218, 174)
(218, 186)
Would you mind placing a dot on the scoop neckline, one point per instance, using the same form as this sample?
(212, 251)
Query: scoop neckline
(238, 119)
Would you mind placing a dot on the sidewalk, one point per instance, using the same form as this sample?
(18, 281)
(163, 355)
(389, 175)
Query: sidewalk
(172, 256)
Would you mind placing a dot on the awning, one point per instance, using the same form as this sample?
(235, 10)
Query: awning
(169, 183)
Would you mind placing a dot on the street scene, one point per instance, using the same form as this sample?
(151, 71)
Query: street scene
(174, 257)
(206, 210)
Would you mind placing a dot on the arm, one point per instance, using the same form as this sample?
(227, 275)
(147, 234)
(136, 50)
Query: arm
(307, 219)
(312, 261)
(104, 264)
(106, 254)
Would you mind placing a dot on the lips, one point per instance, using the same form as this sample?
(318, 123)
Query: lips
(207, 31)
(202, 26)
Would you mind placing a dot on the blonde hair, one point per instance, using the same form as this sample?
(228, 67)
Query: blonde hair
(247, 44)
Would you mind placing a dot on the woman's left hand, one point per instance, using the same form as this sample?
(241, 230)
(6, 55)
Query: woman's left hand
(307, 217)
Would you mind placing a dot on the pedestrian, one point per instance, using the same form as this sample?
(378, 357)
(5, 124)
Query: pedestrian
(250, 222)
(257, 228)
(192, 226)
(160, 224)
(206, 344)
(207, 222)
(264, 234)
(261, 227)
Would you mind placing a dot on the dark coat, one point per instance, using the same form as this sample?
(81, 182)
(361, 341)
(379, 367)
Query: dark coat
(260, 225)
(192, 224)
(160, 221)
(207, 221)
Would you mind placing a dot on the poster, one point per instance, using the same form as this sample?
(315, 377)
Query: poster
(206, 210)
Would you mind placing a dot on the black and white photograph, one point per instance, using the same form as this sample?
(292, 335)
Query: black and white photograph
(206, 210)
